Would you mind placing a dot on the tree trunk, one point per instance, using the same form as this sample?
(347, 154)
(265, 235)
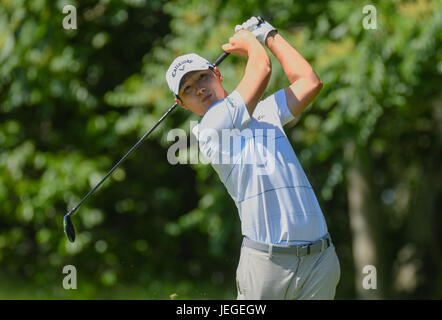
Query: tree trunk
(362, 223)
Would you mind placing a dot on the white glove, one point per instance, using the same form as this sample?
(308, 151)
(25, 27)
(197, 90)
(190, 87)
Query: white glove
(260, 31)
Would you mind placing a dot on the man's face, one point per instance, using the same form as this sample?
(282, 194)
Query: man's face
(200, 90)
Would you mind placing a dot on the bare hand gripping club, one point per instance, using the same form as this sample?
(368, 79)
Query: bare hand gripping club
(67, 223)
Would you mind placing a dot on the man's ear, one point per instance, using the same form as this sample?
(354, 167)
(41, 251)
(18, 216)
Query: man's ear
(218, 74)
(180, 103)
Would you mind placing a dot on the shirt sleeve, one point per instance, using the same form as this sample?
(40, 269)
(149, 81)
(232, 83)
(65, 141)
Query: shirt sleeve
(229, 113)
(283, 111)
(276, 105)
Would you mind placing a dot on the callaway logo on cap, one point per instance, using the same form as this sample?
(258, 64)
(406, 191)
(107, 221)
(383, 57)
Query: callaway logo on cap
(182, 65)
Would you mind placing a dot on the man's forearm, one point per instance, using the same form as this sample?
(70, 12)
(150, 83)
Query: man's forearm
(294, 65)
(256, 76)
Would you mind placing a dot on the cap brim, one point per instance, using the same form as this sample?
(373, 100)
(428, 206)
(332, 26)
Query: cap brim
(180, 83)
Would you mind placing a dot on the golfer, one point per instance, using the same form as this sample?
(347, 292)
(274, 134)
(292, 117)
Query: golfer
(287, 252)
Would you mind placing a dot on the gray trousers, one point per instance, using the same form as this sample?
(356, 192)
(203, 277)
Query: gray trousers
(277, 276)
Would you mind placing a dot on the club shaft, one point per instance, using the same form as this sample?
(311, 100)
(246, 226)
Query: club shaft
(221, 59)
(124, 158)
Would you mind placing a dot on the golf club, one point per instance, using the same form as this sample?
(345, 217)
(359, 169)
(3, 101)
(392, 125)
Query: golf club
(67, 223)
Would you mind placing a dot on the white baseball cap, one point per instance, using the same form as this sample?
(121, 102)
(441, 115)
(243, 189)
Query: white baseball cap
(182, 65)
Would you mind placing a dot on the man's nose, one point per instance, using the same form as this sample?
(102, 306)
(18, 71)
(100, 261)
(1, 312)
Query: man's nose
(200, 90)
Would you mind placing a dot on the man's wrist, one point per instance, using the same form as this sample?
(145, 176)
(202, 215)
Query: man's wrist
(254, 46)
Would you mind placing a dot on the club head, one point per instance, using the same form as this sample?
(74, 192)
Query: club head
(69, 228)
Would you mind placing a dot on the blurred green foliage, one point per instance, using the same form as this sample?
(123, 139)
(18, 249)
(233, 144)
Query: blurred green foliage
(72, 103)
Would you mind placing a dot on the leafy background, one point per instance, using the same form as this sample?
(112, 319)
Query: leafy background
(72, 103)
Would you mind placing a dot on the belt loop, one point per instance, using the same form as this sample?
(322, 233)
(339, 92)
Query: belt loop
(270, 251)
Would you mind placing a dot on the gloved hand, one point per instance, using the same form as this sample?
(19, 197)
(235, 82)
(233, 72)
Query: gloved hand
(260, 31)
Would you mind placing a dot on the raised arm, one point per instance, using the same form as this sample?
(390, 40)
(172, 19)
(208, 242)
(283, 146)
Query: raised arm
(304, 83)
(258, 68)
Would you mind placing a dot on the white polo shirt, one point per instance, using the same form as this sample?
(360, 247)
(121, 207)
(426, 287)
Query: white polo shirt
(256, 162)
